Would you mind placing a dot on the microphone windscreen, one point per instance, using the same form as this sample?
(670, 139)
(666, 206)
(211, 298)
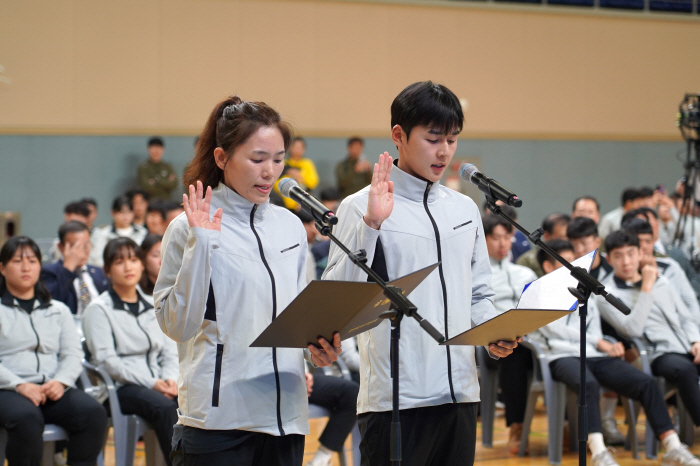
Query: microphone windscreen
(467, 170)
(285, 186)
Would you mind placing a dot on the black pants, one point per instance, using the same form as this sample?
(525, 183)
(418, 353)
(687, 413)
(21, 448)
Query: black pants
(435, 435)
(79, 414)
(619, 376)
(159, 410)
(340, 397)
(255, 450)
(680, 370)
(513, 373)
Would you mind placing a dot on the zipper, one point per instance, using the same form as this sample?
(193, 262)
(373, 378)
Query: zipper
(38, 343)
(150, 346)
(444, 287)
(510, 285)
(274, 315)
(670, 325)
(217, 375)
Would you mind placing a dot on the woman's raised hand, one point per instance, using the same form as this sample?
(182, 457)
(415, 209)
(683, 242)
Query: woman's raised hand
(197, 208)
(381, 193)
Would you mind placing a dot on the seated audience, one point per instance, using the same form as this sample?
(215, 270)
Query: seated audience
(508, 281)
(122, 227)
(172, 210)
(92, 205)
(659, 318)
(330, 197)
(667, 267)
(139, 202)
(41, 358)
(586, 206)
(560, 340)
(156, 217)
(612, 220)
(123, 336)
(554, 227)
(300, 168)
(520, 243)
(150, 257)
(73, 211)
(71, 280)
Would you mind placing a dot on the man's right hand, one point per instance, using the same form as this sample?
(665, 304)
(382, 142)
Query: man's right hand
(381, 193)
(32, 391)
(649, 274)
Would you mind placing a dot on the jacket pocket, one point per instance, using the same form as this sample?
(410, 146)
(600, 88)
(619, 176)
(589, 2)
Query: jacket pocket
(217, 375)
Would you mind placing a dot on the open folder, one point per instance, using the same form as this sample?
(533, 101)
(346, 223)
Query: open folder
(542, 302)
(326, 306)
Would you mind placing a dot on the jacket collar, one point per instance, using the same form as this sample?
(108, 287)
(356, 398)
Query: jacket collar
(8, 300)
(121, 305)
(235, 205)
(620, 283)
(410, 187)
(501, 264)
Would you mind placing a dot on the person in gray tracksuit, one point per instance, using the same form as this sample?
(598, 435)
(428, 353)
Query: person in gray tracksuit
(406, 220)
(40, 362)
(230, 264)
(122, 336)
(659, 317)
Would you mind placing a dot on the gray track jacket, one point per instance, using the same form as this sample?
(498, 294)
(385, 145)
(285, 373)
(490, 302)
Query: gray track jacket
(132, 349)
(429, 223)
(660, 318)
(216, 292)
(38, 347)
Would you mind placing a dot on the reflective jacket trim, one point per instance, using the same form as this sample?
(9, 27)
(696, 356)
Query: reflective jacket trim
(444, 288)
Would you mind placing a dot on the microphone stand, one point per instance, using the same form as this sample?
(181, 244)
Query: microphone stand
(400, 307)
(587, 284)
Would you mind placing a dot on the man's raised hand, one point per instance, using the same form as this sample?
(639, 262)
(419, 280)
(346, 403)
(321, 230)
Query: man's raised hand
(381, 193)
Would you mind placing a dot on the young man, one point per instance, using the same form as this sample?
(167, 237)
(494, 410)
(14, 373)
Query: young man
(667, 267)
(156, 177)
(612, 220)
(139, 201)
(586, 206)
(508, 281)
(658, 317)
(353, 173)
(406, 221)
(604, 366)
(71, 280)
(554, 227)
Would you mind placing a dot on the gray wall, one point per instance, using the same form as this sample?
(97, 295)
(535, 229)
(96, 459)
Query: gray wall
(39, 174)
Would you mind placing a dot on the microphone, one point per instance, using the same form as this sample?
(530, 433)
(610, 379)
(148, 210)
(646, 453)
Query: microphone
(290, 188)
(488, 186)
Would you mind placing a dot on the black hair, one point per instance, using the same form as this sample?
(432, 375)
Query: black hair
(427, 104)
(71, 227)
(157, 206)
(646, 211)
(120, 202)
(156, 141)
(8, 251)
(620, 238)
(646, 191)
(629, 194)
(304, 216)
(638, 226)
(491, 221)
(149, 241)
(89, 200)
(558, 245)
(171, 205)
(508, 210)
(298, 138)
(115, 250)
(137, 192)
(352, 140)
(586, 198)
(330, 194)
(77, 207)
(552, 220)
(581, 227)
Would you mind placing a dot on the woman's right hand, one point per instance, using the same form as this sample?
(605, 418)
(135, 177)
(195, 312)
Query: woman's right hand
(32, 391)
(197, 208)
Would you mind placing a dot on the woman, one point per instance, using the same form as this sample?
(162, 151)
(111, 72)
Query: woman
(123, 337)
(223, 279)
(121, 227)
(150, 257)
(40, 362)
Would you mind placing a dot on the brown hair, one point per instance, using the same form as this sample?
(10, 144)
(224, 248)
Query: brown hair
(230, 124)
